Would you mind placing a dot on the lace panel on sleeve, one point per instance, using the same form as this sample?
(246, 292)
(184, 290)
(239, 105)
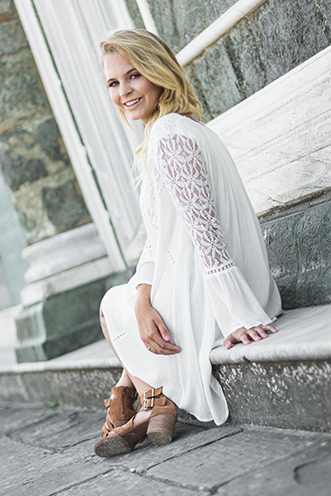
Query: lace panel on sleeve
(187, 180)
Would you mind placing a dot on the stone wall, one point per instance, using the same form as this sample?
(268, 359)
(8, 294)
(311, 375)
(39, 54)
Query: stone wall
(33, 159)
(269, 42)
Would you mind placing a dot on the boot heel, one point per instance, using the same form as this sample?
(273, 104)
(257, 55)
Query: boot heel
(161, 428)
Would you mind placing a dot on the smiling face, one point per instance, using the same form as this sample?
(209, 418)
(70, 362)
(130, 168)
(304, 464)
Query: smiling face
(130, 91)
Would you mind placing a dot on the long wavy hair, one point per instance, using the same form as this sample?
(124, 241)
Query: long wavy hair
(150, 56)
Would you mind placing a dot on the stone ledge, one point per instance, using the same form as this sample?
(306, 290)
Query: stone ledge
(303, 334)
(279, 382)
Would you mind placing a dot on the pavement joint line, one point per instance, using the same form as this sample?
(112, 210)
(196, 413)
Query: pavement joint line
(208, 443)
(172, 483)
(80, 483)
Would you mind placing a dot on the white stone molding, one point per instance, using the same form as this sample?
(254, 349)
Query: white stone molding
(217, 29)
(62, 252)
(67, 125)
(280, 137)
(64, 262)
(146, 16)
(65, 281)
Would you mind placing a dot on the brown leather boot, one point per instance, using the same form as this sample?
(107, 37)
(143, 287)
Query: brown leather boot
(163, 417)
(159, 426)
(121, 408)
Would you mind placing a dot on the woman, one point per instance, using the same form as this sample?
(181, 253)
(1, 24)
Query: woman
(203, 275)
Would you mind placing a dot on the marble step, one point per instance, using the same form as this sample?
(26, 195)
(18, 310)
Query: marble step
(282, 381)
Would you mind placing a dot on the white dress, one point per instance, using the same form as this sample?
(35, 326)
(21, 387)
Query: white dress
(205, 259)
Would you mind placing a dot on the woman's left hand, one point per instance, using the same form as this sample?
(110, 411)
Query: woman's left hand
(245, 336)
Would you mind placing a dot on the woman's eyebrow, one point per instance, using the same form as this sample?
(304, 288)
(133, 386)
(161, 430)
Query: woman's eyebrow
(127, 73)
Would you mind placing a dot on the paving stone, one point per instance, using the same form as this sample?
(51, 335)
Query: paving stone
(119, 483)
(221, 461)
(186, 438)
(54, 479)
(62, 429)
(48, 453)
(14, 414)
(303, 474)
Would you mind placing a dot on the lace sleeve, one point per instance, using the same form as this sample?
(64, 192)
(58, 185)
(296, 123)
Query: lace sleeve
(184, 171)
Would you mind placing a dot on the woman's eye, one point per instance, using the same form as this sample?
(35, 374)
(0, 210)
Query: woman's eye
(111, 85)
(135, 75)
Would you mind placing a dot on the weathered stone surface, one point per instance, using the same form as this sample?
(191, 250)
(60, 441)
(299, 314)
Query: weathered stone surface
(65, 205)
(123, 483)
(225, 459)
(21, 94)
(179, 22)
(7, 10)
(299, 249)
(275, 394)
(325, 12)
(302, 474)
(12, 37)
(135, 14)
(45, 191)
(271, 41)
(19, 170)
(54, 457)
(50, 141)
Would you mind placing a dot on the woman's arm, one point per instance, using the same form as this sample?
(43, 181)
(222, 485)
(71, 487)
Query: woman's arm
(236, 309)
(153, 331)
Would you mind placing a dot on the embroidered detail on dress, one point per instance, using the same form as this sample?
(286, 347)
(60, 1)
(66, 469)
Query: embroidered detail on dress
(119, 336)
(219, 269)
(185, 174)
(168, 252)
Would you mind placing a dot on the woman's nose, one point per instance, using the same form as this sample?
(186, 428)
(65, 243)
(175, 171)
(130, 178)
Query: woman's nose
(125, 88)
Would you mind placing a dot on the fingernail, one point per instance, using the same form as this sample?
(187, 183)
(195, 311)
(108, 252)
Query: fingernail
(167, 337)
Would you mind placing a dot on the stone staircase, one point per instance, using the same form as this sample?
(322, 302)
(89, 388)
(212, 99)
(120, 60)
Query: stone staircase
(283, 381)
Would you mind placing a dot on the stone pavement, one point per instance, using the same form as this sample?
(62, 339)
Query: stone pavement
(48, 452)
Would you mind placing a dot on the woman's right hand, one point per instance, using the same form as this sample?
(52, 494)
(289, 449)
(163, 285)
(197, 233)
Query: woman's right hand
(152, 329)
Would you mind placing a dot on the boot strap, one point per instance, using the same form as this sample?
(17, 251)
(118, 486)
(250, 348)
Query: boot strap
(153, 397)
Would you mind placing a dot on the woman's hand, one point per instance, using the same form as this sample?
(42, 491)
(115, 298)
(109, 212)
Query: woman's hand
(152, 329)
(245, 336)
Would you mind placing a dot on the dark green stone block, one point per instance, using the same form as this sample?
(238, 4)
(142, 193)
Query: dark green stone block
(19, 170)
(299, 249)
(21, 93)
(65, 205)
(135, 14)
(265, 45)
(50, 140)
(178, 23)
(12, 37)
(64, 322)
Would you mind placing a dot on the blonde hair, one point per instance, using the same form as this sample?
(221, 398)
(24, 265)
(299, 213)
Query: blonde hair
(157, 63)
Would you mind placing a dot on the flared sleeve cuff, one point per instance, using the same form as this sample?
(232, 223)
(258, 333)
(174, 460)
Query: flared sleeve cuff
(145, 267)
(233, 303)
(145, 273)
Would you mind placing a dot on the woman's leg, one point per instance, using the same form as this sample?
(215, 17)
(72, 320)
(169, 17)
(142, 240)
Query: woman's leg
(126, 379)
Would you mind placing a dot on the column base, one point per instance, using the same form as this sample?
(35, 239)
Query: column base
(64, 322)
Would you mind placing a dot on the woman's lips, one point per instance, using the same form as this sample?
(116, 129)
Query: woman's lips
(132, 103)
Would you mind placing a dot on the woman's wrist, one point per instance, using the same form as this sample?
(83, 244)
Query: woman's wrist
(143, 295)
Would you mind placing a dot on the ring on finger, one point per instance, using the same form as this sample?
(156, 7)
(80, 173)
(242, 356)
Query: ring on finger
(149, 348)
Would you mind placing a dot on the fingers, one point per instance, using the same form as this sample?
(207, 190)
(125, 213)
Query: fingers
(156, 339)
(245, 336)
